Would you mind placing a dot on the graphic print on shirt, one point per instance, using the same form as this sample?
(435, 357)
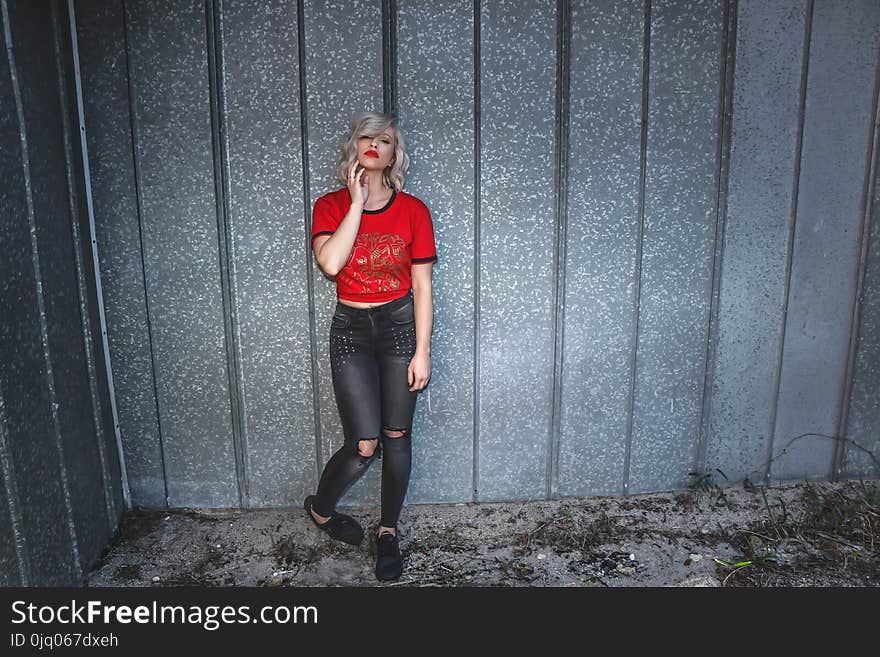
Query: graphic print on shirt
(375, 261)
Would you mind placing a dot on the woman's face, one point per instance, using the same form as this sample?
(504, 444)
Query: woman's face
(375, 152)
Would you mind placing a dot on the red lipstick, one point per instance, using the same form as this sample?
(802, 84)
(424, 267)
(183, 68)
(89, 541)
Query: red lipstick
(371, 153)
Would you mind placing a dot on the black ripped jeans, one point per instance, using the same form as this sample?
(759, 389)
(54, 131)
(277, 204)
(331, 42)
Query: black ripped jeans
(370, 352)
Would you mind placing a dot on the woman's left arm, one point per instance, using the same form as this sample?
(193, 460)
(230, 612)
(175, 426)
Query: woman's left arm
(419, 372)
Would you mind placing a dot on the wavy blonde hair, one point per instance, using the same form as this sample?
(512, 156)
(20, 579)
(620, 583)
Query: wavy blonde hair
(370, 124)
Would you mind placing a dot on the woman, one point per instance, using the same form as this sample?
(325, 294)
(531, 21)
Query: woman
(378, 243)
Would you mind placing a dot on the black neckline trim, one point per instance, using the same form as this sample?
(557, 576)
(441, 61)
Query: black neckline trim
(387, 205)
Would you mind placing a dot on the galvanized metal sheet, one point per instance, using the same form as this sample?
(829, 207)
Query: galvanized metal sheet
(435, 84)
(343, 77)
(171, 115)
(31, 437)
(103, 70)
(862, 458)
(678, 241)
(10, 568)
(103, 435)
(101, 410)
(764, 138)
(54, 238)
(843, 56)
(270, 246)
(517, 244)
(507, 280)
(601, 242)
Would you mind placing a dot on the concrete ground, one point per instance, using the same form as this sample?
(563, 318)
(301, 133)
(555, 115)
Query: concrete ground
(800, 534)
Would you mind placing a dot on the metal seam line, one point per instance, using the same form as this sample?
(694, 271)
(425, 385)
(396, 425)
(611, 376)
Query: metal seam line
(307, 215)
(560, 173)
(81, 289)
(389, 56)
(838, 459)
(225, 246)
(140, 215)
(475, 494)
(640, 221)
(722, 178)
(789, 247)
(41, 307)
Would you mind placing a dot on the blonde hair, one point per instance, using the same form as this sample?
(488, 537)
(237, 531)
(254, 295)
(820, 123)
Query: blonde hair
(370, 124)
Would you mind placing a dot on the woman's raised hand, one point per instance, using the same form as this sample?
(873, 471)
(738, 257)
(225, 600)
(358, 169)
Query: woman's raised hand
(357, 184)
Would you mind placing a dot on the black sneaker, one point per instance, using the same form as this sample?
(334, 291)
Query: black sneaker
(340, 526)
(389, 563)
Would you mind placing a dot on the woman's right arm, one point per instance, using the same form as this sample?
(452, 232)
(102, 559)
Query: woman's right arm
(334, 251)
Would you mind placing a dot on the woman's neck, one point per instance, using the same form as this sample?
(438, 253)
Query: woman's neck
(379, 193)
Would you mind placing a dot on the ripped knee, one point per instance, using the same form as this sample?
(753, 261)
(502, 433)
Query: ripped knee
(390, 432)
(367, 446)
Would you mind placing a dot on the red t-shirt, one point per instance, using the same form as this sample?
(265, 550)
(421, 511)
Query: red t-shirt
(389, 241)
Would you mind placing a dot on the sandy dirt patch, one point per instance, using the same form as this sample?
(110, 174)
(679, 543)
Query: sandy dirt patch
(799, 534)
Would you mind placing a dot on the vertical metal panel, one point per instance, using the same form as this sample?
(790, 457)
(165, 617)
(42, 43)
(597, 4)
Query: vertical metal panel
(435, 84)
(518, 237)
(173, 151)
(26, 378)
(10, 573)
(765, 132)
(343, 77)
(837, 133)
(604, 153)
(863, 419)
(13, 558)
(262, 128)
(47, 113)
(91, 301)
(103, 69)
(679, 240)
(33, 453)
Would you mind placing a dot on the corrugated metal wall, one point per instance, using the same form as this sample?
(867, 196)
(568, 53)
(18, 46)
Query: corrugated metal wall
(803, 153)
(656, 220)
(61, 487)
(650, 218)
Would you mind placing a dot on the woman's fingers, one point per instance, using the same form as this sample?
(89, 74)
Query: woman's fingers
(357, 187)
(416, 381)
